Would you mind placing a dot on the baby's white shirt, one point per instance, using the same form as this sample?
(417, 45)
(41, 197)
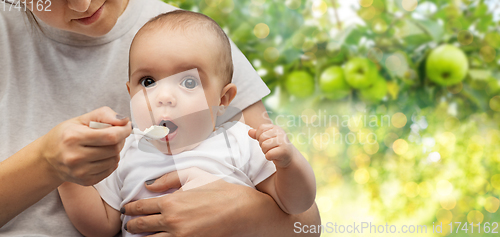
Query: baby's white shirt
(228, 153)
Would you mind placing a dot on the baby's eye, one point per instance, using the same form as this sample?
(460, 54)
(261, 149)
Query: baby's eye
(147, 82)
(189, 83)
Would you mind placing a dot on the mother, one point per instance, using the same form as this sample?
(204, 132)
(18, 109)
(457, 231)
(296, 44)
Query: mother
(59, 64)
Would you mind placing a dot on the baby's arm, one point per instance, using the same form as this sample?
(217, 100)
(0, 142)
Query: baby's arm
(88, 212)
(293, 186)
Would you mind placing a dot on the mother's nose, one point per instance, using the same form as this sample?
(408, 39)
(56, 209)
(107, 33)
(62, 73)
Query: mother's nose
(79, 5)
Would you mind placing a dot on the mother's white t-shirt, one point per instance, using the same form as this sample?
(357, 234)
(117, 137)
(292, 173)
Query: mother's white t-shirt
(48, 78)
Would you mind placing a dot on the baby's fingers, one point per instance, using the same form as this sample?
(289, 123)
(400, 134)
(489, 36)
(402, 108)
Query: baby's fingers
(252, 133)
(262, 129)
(269, 134)
(279, 156)
(269, 144)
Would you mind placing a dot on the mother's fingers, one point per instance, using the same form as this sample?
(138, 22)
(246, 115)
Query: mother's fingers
(97, 153)
(103, 115)
(194, 177)
(144, 224)
(100, 166)
(105, 173)
(89, 173)
(165, 182)
(104, 136)
(187, 178)
(142, 207)
(161, 234)
(94, 178)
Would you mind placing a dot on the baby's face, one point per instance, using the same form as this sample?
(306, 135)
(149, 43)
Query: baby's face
(173, 83)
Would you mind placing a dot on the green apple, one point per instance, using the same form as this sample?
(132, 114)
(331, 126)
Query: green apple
(360, 72)
(447, 65)
(300, 84)
(332, 83)
(493, 87)
(376, 91)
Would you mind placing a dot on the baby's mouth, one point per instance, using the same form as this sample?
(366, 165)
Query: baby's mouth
(169, 124)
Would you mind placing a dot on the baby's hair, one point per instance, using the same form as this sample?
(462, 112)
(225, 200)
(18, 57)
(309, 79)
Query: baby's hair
(187, 20)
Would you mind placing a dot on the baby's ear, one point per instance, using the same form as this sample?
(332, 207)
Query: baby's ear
(128, 87)
(228, 94)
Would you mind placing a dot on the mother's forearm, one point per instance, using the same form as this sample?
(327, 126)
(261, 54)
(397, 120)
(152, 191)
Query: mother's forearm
(25, 178)
(267, 219)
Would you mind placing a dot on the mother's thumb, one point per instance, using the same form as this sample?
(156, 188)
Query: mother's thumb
(105, 115)
(164, 183)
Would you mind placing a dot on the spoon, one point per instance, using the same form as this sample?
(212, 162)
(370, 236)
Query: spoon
(154, 132)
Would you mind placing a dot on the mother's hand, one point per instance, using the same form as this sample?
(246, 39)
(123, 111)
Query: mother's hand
(216, 208)
(83, 155)
(204, 206)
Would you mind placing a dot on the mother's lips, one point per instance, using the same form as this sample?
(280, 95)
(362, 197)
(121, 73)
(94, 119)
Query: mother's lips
(91, 19)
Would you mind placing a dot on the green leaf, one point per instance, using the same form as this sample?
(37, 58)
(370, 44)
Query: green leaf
(481, 10)
(484, 23)
(355, 35)
(476, 97)
(417, 40)
(432, 28)
(291, 55)
(479, 74)
(336, 42)
(493, 39)
(406, 28)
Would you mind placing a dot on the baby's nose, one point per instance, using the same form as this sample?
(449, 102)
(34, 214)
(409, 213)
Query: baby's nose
(166, 99)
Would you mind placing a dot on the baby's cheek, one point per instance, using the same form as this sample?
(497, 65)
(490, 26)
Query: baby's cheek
(199, 123)
(212, 104)
(140, 112)
(198, 103)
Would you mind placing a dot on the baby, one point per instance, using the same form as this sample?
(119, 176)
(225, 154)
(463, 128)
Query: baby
(180, 71)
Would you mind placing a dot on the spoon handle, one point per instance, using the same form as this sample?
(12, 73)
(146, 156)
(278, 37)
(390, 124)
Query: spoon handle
(98, 125)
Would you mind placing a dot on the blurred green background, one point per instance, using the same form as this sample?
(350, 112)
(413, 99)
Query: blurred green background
(395, 103)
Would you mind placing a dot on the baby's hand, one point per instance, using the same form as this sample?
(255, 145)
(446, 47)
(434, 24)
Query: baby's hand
(274, 144)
